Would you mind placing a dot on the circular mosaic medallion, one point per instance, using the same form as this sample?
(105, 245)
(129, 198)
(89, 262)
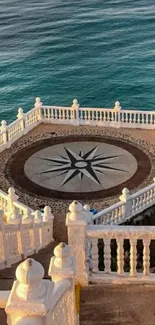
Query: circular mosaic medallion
(80, 168)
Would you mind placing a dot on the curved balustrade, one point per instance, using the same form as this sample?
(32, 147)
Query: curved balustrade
(128, 207)
(74, 115)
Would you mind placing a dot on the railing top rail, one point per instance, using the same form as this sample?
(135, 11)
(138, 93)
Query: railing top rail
(57, 107)
(60, 288)
(101, 108)
(22, 206)
(30, 111)
(107, 210)
(3, 195)
(125, 232)
(144, 190)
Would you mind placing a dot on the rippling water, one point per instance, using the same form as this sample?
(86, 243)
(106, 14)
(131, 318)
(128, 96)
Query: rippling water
(94, 50)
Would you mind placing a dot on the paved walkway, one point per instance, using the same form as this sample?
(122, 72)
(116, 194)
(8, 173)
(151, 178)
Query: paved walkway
(118, 305)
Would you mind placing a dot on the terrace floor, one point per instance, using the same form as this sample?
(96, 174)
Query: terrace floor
(55, 164)
(135, 151)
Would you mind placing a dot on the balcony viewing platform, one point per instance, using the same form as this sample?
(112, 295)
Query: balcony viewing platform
(98, 164)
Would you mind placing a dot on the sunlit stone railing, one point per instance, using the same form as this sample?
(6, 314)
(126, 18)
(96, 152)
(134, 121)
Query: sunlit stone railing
(24, 235)
(74, 115)
(108, 252)
(120, 234)
(129, 206)
(36, 301)
(23, 231)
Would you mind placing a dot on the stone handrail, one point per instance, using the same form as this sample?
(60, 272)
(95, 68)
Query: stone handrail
(128, 207)
(74, 115)
(110, 253)
(120, 234)
(35, 301)
(23, 237)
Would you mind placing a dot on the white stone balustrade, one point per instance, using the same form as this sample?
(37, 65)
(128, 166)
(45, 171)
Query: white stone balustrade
(76, 222)
(26, 232)
(128, 207)
(36, 301)
(120, 234)
(75, 115)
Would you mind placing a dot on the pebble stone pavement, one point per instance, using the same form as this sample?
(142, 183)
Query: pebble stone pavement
(143, 139)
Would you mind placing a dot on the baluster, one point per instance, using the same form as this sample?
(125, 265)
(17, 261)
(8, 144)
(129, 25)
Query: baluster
(138, 118)
(120, 256)
(147, 118)
(56, 116)
(133, 256)
(151, 119)
(92, 115)
(51, 112)
(94, 254)
(67, 114)
(107, 256)
(146, 256)
(144, 200)
(89, 115)
(130, 120)
(64, 115)
(144, 118)
(134, 117)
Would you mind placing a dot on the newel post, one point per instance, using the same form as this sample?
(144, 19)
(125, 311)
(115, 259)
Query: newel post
(3, 129)
(38, 106)
(12, 212)
(76, 223)
(62, 267)
(30, 296)
(127, 207)
(75, 111)
(21, 117)
(117, 110)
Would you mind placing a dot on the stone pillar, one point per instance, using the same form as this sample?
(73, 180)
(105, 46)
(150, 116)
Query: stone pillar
(133, 256)
(89, 214)
(117, 106)
(107, 256)
(4, 130)
(38, 106)
(75, 112)
(62, 266)
(20, 117)
(47, 214)
(76, 223)
(47, 230)
(120, 256)
(12, 211)
(117, 109)
(127, 208)
(146, 256)
(4, 244)
(30, 297)
(38, 217)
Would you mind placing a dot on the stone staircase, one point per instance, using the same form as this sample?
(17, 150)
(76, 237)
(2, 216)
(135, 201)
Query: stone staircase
(113, 304)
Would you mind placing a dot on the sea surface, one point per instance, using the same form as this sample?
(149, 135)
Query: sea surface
(97, 51)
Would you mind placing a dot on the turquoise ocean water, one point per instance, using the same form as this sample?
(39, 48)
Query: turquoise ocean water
(97, 51)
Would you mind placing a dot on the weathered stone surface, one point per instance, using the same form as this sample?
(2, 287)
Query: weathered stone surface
(118, 305)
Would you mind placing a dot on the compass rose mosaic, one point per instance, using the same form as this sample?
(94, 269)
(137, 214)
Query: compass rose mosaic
(80, 166)
(89, 165)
